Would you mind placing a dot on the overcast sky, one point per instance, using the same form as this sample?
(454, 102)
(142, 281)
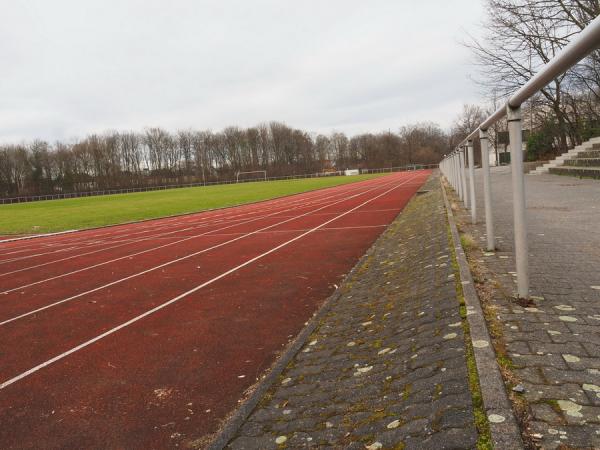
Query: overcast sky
(69, 68)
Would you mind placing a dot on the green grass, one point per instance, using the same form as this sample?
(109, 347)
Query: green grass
(88, 212)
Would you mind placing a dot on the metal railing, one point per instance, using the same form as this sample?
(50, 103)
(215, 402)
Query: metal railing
(36, 198)
(454, 168)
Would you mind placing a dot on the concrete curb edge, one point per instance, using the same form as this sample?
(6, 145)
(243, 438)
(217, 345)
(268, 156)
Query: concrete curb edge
(503, 425)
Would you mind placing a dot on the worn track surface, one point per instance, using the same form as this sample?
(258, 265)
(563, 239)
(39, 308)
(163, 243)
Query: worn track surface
(146, 335)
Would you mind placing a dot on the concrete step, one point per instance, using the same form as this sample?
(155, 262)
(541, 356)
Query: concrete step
(540, 169)
(589, 149)
(581, 172)
(589, 154)
(583, 162)
(551, 164)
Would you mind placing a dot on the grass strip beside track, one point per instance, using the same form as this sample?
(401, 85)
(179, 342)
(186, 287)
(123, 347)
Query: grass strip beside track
(88, 212)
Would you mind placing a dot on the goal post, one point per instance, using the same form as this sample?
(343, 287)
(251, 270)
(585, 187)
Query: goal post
(262, 177)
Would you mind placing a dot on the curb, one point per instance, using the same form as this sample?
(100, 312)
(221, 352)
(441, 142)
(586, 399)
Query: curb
(234, 422)
(503, 425)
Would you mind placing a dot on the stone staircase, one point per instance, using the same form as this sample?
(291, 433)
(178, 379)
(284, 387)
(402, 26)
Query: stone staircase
(581, 161)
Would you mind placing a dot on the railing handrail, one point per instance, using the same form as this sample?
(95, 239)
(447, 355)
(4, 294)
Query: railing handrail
(582, 45)
(453, 166)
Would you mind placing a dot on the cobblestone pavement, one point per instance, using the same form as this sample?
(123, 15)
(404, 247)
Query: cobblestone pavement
(386, 367)
(553, 343)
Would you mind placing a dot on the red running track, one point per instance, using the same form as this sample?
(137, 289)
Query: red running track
(146, 335)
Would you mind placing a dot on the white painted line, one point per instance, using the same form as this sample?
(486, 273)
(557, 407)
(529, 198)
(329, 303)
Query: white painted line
(21, 258)
(23, 238)
(89, 244)
(187, 293)
(301, 230)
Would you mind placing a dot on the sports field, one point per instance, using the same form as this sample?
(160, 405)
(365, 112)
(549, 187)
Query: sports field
(147, 335)
(88, 212)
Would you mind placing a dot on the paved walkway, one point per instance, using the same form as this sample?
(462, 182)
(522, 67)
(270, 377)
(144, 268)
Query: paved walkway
(386, 366)
(554, 343)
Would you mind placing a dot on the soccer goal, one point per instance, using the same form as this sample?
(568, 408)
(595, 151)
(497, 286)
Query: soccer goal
(252, 175)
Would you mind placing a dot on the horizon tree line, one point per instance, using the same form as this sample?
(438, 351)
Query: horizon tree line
(155, 156)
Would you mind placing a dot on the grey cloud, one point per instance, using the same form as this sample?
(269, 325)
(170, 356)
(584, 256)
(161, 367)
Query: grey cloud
(72, 68)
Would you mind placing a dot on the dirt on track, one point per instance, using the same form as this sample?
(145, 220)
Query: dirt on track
(168, 379)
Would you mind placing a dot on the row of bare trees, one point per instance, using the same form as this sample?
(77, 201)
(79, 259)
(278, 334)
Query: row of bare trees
(158, 157)
(520, 36)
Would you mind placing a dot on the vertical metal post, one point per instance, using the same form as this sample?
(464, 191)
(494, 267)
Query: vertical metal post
(458, 177)
(473, 200)
(451, 164)
(487, 190)
(463, 175)
(454, 173)
(518, 184)
(461, 194)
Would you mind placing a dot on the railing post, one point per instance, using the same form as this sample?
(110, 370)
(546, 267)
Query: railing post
(454, 171)
(487, 190)
(518, 185)
(463, 177)
(473, 200)
(458, 186)
(458, 177)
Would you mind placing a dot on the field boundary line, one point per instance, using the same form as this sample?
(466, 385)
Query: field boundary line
(23, 238)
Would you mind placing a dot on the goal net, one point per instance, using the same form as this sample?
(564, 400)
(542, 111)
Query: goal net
(253, 175)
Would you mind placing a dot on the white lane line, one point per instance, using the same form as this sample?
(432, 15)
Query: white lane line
(35, 236)
(90, 241)
(301, 230)
(185, 294)
(96, 243)
(20, 258)
(205, 221)
(296, 206)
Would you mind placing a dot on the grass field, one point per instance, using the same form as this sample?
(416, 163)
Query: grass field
(88, 212)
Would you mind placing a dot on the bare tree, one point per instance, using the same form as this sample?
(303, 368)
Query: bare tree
(523, 35)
